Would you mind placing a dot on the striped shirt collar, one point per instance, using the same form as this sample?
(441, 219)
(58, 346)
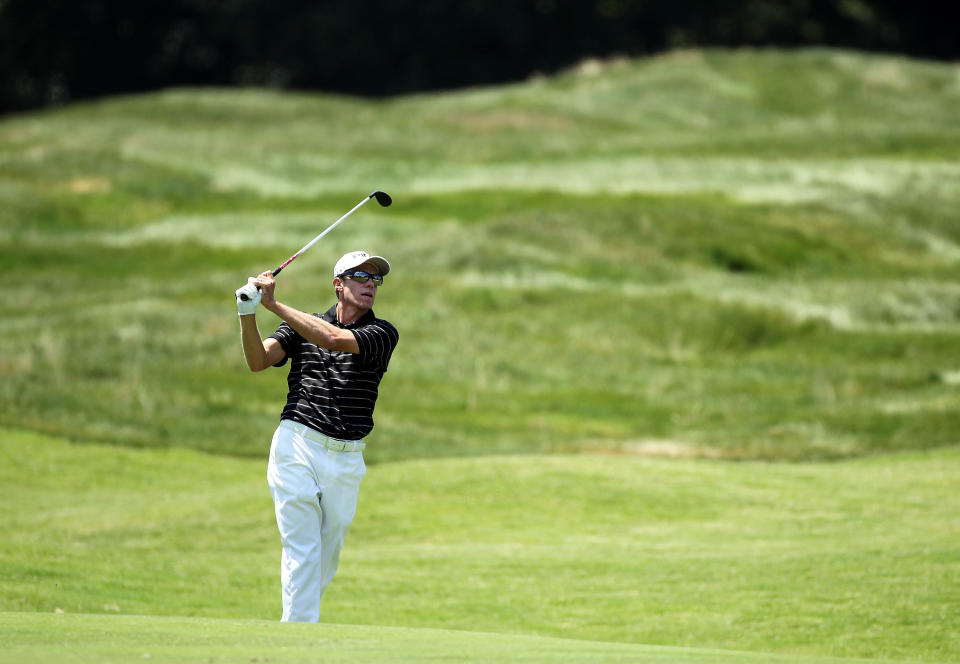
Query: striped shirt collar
(331, 317)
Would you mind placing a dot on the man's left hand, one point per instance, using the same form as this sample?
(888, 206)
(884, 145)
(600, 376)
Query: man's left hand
(248, 298)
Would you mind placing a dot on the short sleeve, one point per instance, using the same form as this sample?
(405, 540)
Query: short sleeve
(377, 341)
(288, 339)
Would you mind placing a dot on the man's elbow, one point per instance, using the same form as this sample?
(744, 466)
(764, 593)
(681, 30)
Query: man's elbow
(345, 342)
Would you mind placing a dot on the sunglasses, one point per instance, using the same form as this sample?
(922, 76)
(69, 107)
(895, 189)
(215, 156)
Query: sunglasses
(361, 277)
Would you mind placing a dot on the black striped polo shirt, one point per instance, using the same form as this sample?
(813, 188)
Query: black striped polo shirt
(332, 391)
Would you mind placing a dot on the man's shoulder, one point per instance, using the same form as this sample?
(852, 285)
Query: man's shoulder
(382, 322)
(380, 328)
(371, 320)
(386, 326)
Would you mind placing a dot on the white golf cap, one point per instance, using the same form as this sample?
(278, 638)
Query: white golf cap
(358, 258)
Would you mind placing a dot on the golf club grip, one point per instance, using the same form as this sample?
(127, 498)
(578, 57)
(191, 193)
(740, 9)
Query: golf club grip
(275, 272)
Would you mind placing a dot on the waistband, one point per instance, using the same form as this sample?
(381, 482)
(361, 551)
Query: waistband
(315, 436)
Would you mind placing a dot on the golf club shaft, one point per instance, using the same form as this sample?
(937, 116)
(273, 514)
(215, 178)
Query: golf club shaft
(382, 198)
(312, 242)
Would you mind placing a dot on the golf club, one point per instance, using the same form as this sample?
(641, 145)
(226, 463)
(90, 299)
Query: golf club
(382, 198)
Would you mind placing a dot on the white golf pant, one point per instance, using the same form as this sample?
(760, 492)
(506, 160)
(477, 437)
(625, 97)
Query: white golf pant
(314, 491)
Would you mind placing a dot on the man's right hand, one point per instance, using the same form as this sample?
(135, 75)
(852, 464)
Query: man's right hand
(266, 283)
(248, 298)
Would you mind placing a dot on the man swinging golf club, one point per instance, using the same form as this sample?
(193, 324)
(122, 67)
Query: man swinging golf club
(316, 457)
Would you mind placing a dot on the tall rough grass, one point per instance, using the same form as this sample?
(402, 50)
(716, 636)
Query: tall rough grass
(737, 254)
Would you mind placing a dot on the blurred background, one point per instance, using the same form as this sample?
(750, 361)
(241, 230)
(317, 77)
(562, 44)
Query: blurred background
(54, 51)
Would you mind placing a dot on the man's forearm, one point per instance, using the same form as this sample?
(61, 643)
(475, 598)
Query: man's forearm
(311, 328)
(253, 351)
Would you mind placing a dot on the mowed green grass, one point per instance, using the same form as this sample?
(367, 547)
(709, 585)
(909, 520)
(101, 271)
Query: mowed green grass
(842, 559)
(748, 255)
(51, 639)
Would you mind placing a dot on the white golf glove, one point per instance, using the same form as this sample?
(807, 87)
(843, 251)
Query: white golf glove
(248, 306)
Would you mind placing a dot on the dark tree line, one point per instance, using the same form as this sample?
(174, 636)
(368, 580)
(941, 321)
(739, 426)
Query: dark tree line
(52, 51)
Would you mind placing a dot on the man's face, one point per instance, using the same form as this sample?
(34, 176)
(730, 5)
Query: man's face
(354, 293)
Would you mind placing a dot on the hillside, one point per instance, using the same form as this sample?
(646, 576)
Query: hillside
(718, 254)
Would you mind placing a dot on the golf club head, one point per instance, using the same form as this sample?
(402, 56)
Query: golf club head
(383, 198)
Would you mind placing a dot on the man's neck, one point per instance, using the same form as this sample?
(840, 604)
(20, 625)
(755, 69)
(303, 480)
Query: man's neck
(348, 314)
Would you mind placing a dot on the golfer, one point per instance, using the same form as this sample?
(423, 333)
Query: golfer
(337, 360)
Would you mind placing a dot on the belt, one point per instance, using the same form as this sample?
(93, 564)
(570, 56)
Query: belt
(333, 444)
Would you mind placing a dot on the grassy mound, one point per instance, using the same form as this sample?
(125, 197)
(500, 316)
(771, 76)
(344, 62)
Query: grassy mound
(735, 254)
